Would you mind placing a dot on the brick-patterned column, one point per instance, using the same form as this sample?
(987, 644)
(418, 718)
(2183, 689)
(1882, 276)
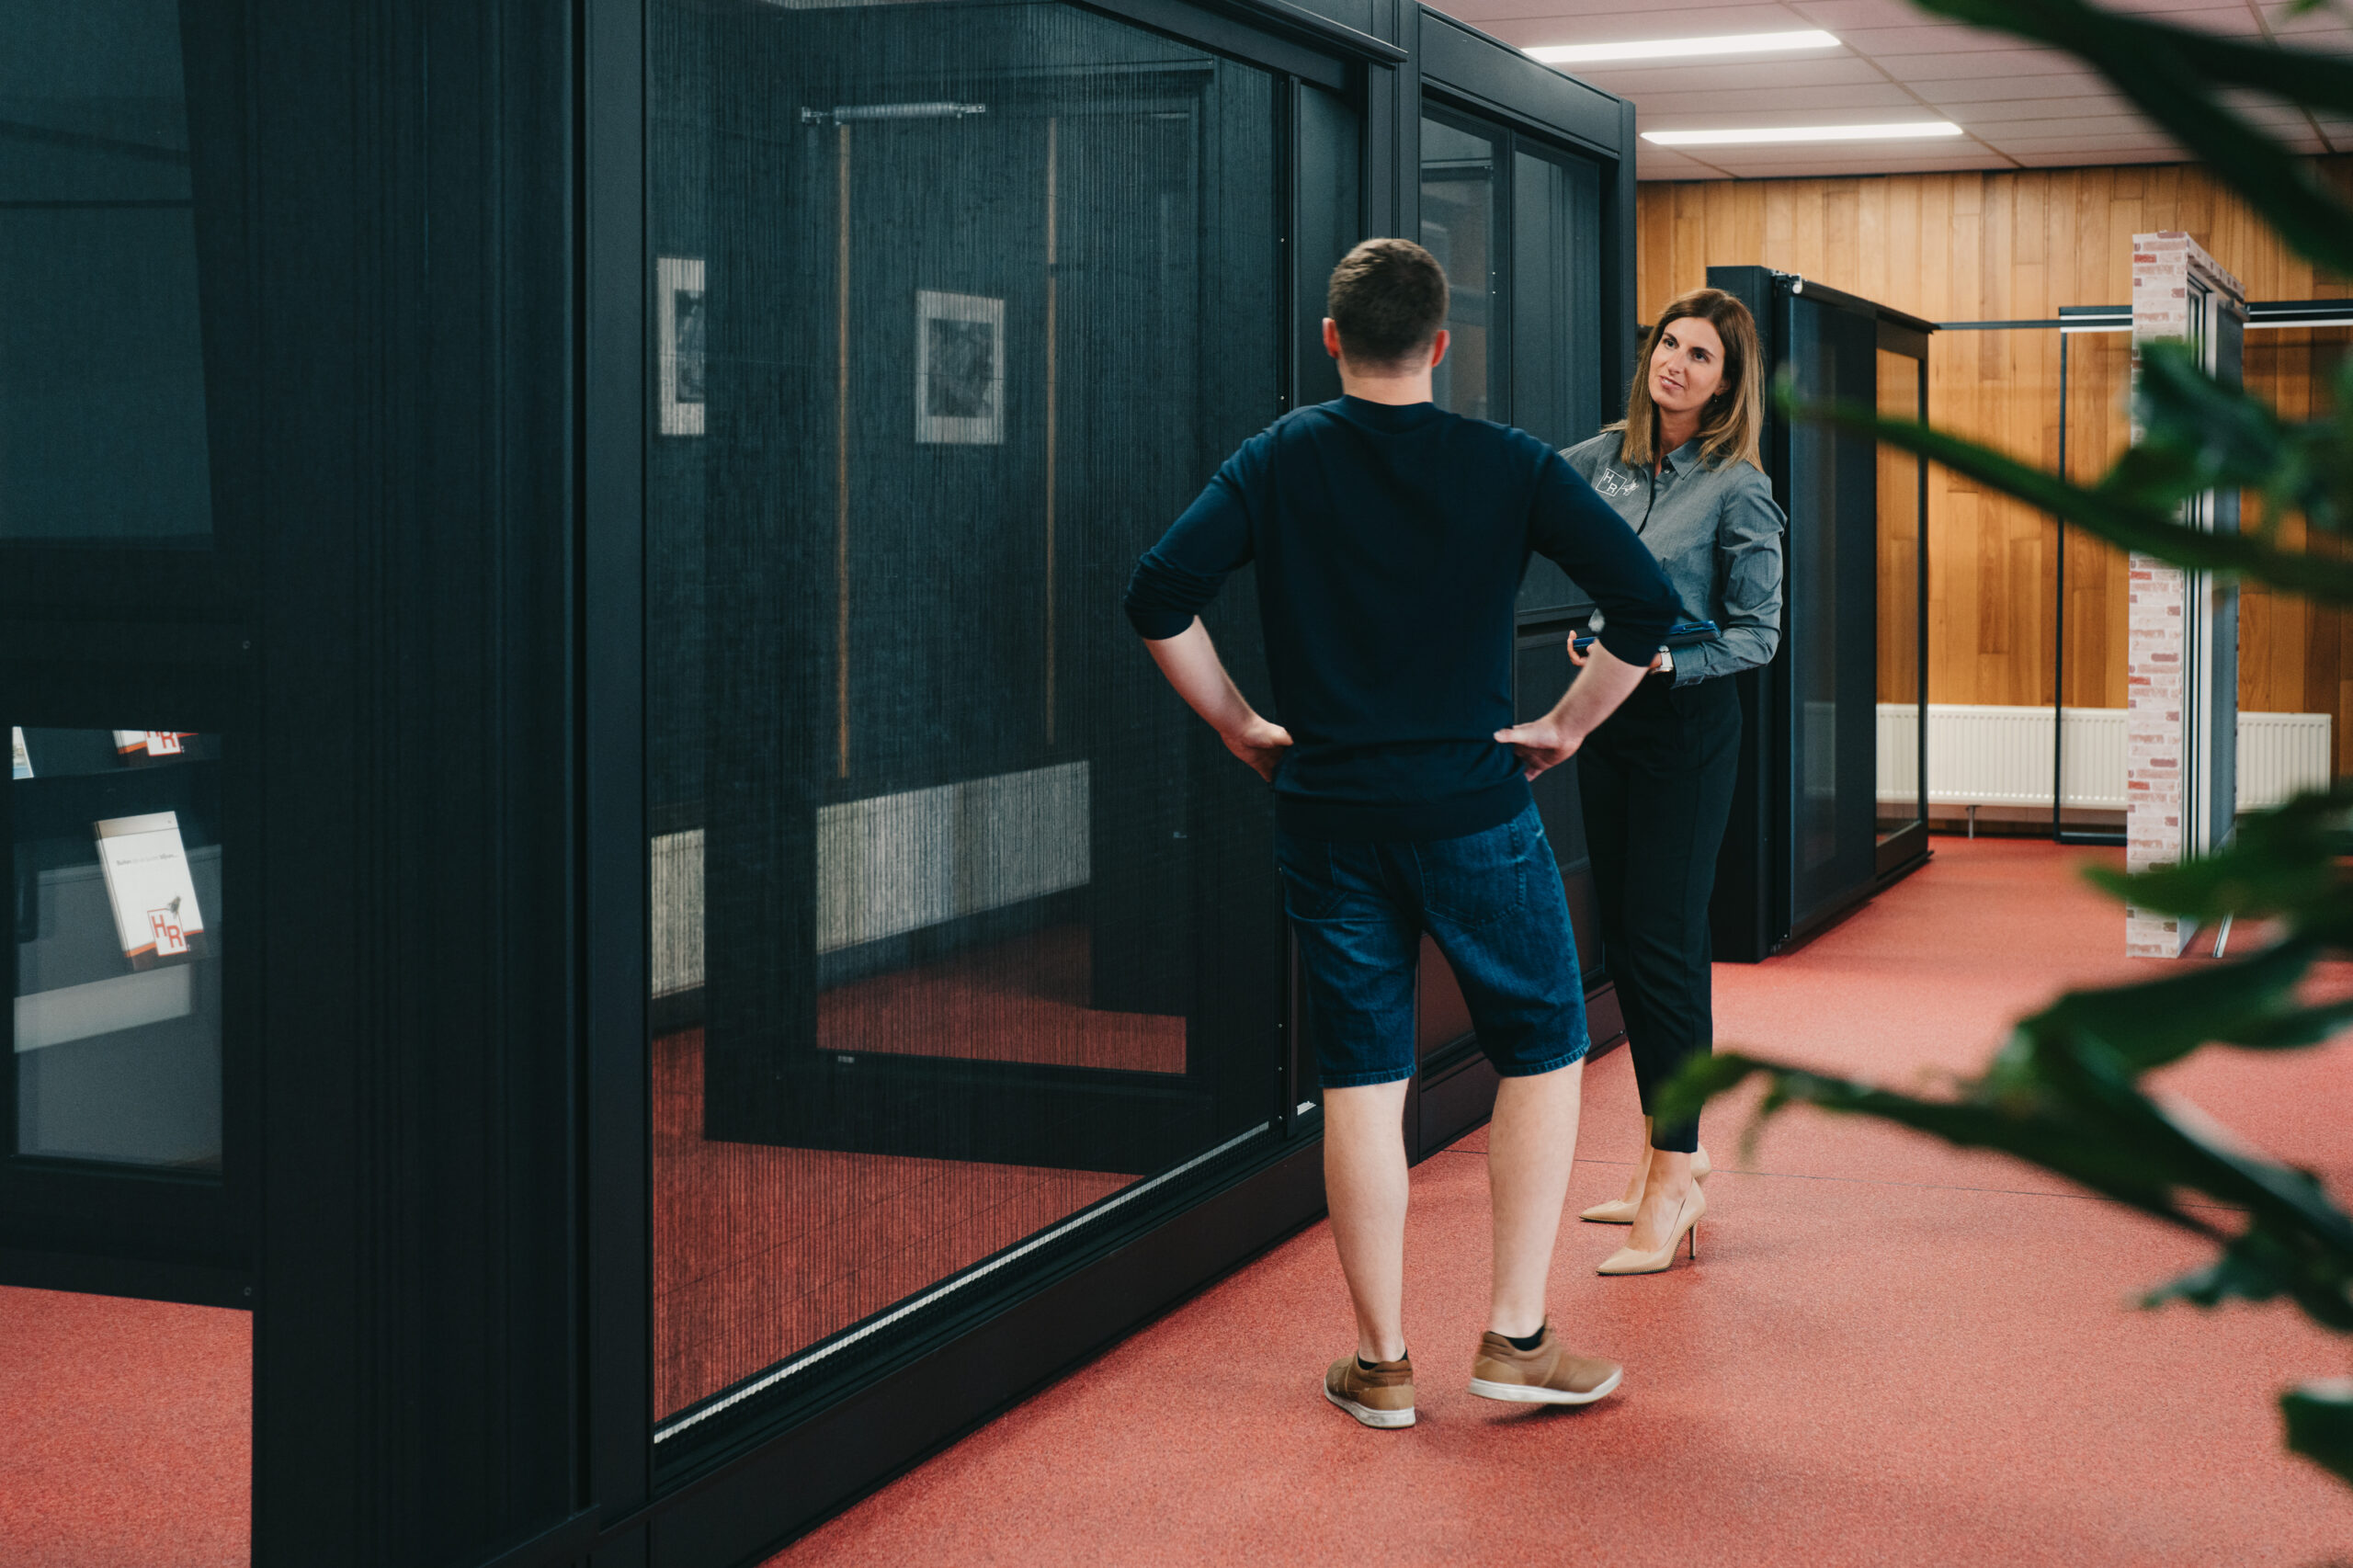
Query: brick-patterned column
(2158, 711)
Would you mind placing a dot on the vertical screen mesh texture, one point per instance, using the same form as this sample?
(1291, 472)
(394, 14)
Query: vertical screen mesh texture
(1459, 228)
(963, 925)
(1831, 573)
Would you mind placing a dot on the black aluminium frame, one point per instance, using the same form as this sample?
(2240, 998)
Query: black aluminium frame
(730, 1506)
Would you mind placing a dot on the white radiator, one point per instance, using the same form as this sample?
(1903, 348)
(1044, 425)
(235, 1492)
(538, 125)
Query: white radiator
(2001, 756)
(896, 863)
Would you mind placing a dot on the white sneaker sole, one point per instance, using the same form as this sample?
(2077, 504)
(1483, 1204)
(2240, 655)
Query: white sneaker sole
(1523, 1394)
(1386, 1419)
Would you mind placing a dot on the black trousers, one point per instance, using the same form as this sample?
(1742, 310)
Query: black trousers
(1656, 780)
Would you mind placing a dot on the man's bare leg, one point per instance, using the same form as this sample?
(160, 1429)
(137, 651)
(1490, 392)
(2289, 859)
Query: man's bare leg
(1531, 1145)
(1364, 1181)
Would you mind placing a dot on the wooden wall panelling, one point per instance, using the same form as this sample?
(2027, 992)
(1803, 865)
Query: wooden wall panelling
(2007, 246)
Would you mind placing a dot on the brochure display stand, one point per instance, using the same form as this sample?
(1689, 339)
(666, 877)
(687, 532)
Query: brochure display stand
(116, 1027)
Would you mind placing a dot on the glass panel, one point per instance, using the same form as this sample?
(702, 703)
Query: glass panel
(1556, 392)
(963, 925)
(1331, 217)
(1903, 682)
(2294, 672)
(118, 918)
(1831, 645)
(102, 418)
(2095, 615)
(1459, 228)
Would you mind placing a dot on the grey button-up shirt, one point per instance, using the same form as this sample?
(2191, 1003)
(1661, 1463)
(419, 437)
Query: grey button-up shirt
(1717, 534)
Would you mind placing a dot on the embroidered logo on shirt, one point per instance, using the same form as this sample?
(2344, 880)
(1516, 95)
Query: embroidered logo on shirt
(1612, 483)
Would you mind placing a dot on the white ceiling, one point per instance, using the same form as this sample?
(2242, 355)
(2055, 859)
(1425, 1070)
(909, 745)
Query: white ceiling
(2021, 107)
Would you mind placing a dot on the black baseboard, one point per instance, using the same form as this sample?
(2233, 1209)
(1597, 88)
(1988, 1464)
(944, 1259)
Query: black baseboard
(194, 1285)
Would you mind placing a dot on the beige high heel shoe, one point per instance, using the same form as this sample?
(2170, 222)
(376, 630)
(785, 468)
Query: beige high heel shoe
(1620, 1211)
(1626, 1260)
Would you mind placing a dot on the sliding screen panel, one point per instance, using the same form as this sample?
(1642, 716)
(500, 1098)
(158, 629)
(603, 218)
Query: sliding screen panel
(1832, 643)
(1556, 392)
(1462, 226)
(1901, 730)
(966, 944)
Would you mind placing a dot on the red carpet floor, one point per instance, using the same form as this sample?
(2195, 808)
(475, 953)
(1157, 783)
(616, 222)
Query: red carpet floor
(126, 1433)
(1888, 1352)
(760, 1251)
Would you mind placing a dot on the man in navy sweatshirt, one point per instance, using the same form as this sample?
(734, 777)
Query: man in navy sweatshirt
(1390, 538)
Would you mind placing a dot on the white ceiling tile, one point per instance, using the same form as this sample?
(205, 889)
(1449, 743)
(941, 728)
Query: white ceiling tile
(1880, 42)
(2077, 160)
(2010, 131)
(2003, 110)
(1758, 17)
(1774, 119)
(1840, 15)
(1862, 94)
(1836, 71)
(1988, 66)
(2329, 30)
(1540, 32)
(1693, 21)
(2121, 142)
(1660, 162)
(1768, 169)
(1996, 87)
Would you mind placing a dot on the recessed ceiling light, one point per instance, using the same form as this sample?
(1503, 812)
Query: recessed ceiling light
(1679, 48)
(1804, 133)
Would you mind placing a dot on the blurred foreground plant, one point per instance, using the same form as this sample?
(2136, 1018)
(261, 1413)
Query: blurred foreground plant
(2066, 1091)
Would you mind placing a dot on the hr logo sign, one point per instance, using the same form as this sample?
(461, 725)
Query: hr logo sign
(1613, 483)
(163, 925)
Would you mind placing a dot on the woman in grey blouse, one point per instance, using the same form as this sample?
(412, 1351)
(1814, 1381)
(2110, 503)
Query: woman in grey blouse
(1656, 777)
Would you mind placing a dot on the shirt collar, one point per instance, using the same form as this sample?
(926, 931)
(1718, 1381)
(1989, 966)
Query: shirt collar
(1685, 457)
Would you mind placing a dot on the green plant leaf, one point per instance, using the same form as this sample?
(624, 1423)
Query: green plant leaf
(2320, 1423)
(2173, 76)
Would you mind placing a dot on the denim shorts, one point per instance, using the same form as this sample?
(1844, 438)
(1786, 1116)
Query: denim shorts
(1493, 902)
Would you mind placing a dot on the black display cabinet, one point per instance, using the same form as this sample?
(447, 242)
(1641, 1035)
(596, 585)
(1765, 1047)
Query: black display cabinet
(594, 486)
(1808, 837)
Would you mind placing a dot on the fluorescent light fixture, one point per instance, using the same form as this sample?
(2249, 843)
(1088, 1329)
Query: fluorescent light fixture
(1911, 131)
(1681, 47)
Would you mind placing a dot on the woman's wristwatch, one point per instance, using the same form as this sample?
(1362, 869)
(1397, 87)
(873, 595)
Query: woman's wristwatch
(1666, 661)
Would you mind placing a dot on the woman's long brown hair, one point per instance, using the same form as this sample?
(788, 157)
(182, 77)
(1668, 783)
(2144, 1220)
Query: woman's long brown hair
(1733, 420)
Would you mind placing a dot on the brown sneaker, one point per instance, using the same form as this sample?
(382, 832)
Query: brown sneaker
(1383, 1397)
(1546, 1375)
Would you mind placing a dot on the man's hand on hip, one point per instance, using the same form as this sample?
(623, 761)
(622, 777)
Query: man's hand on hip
(1546, 743)
(1259, 743)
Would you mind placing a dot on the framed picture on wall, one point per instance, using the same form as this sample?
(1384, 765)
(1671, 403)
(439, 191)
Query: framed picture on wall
(679, 328)
(960, 369)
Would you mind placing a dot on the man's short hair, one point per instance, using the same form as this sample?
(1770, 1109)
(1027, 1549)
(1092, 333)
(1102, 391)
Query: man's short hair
(1388, 297)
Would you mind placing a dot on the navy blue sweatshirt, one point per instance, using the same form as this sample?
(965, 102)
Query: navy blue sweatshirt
(1390, 542)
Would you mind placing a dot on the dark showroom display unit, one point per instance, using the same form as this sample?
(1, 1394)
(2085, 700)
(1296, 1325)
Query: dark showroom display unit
(686, 956)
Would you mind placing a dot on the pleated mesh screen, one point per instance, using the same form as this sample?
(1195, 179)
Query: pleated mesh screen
(962, 925)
